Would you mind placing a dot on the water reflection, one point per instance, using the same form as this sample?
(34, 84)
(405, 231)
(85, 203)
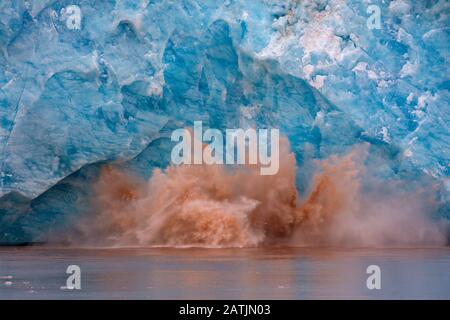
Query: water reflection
(271, 273)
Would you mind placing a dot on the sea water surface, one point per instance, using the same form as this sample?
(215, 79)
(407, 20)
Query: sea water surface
(39, 272)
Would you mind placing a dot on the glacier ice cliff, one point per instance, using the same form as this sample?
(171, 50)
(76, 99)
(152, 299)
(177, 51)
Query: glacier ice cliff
(112, 90)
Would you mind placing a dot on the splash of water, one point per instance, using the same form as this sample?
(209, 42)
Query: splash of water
(218, 206)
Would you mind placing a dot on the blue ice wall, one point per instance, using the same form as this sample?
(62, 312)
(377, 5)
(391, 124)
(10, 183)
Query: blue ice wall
(114, 88)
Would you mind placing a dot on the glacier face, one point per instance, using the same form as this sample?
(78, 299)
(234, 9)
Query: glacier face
(114, 88)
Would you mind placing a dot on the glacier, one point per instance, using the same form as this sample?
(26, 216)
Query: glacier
(113, 90)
